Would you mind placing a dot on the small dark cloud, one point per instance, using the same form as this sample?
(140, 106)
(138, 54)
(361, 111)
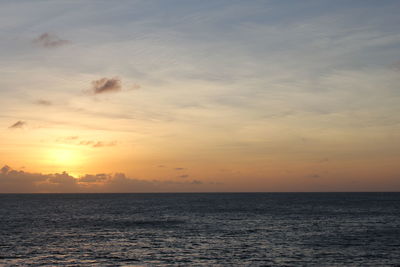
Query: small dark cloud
(179, 169)
(161, 166)
(183, 176)
(314, 175)
(96, 143)
(102, 144)
(43, 102)
(106, 85)
(49, 40)
(76, 140)
(18, 124)
(197, 182)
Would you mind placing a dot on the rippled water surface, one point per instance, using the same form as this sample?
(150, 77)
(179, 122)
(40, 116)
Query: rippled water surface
(282, 229)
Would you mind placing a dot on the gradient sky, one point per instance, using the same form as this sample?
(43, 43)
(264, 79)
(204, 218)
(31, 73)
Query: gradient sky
(138, 96)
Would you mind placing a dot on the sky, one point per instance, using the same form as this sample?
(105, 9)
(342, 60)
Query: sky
(199, 96)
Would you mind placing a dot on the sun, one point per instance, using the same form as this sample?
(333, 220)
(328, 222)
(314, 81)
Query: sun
(65, 158)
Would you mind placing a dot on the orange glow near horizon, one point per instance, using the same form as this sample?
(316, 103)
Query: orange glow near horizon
(200, 100)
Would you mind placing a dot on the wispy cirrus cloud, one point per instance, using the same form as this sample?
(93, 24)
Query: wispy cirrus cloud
(73, 137)
(76, 140)
(97, 143)
(102, 144)
(43, 102)
(49, 40)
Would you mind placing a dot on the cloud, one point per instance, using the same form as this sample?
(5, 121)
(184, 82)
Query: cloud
(5, 169)
(97, 143)
(183, 176)
(43, 102)
(62, 179)
(74, 140)
(86, 143)
(179, 169)
(13, 181)
(314, 175)
(18, 124)
(102, 144)
(106, 85)
(49, 40)
(89, 178)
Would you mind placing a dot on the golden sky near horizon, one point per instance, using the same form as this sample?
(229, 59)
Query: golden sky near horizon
(154, 96)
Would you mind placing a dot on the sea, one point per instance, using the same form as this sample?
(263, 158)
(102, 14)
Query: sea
(205, 229)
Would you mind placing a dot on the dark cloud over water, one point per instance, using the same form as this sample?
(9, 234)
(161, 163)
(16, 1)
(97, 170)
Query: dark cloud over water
(18, 181)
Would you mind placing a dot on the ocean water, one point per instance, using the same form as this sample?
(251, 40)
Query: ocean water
(256, 229)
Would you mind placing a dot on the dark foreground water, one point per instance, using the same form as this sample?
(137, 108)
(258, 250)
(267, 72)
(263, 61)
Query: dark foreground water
(283, 229)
